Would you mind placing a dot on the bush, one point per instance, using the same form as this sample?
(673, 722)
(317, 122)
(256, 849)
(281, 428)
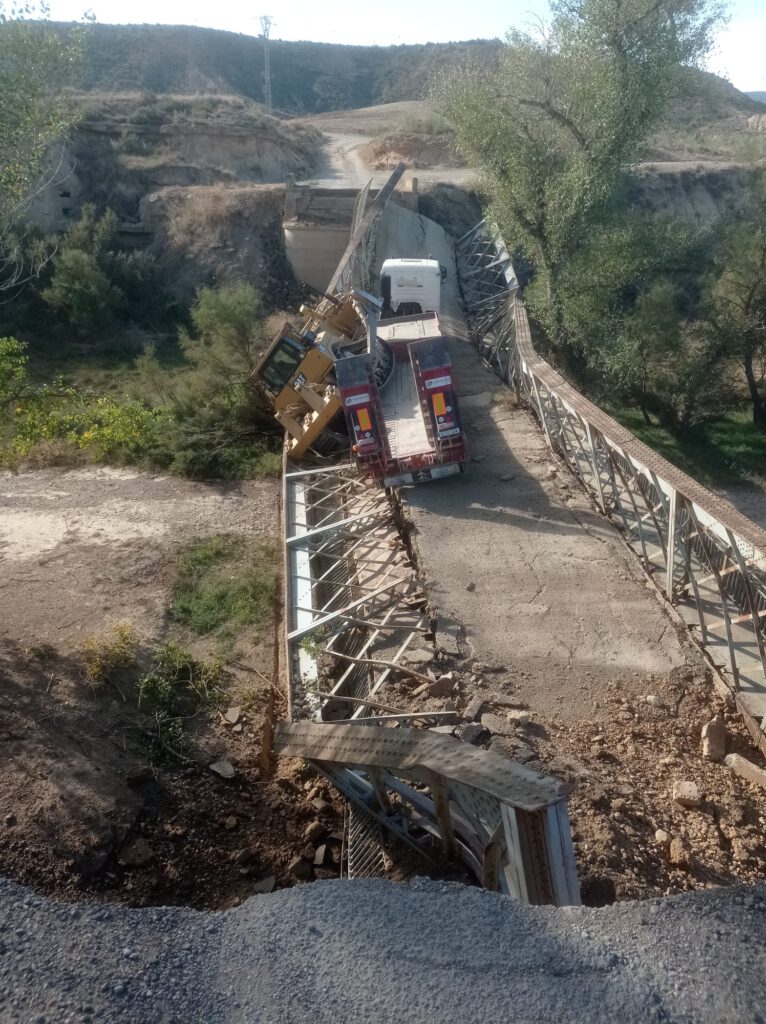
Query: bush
(104, 428)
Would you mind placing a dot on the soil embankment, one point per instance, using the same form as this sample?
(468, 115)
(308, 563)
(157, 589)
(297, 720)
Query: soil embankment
(86, 810)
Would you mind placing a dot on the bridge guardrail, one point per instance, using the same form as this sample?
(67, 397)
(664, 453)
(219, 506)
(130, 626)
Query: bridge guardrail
(709, 558)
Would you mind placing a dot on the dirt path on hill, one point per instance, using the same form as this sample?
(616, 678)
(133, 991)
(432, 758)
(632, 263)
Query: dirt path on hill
(343, 166)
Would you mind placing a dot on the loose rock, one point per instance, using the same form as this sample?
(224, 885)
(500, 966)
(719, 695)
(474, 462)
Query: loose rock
(686, 794)
(746, 769)
(314, 830)
(471, 732)
(498, 724)
(443, 686)
(299, 868)
(224, 769)
(232, 715)
(714, 737)
(139, 776)
(473, 710)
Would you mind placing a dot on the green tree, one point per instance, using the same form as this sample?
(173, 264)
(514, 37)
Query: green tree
(221, 424)
(738, 307)
(94, 283)
(36, 65)
(553, 124)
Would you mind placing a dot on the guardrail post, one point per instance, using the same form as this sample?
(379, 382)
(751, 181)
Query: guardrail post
(671, 549)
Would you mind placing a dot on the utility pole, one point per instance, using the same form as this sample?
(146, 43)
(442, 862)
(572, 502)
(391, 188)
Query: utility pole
(266, 23)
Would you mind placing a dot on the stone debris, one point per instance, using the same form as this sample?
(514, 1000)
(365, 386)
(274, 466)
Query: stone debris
(473, 709)
(232, 715)
(230, 824)
(714, 737)
(471, 732)
(680, 852)
(135, 854)
(746, 769)
(498, 724)
(224, 769)
(519, 717)
(654, 701)
(314, 830)
(443, 686)
(319, 855)
(10, 820)
(470, 587)
(266, 885)
(320, 805)
(299, 868)
(443, 730)
(686, 794)
(662, 838)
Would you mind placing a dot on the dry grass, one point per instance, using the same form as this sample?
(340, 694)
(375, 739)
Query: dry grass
(107, 652)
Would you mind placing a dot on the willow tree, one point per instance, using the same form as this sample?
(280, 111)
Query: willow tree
(553, 123)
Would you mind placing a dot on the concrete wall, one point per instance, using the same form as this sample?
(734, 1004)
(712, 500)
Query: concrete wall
(317, 228)
(314, 250)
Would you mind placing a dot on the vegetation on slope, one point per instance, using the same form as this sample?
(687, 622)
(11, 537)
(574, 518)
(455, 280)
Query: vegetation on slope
(305, 77)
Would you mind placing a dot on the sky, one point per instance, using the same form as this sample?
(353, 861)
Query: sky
(740, 53)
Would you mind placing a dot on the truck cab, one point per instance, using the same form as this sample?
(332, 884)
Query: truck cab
(411, 286)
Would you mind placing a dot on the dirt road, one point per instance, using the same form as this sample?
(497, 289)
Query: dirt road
(343, 166)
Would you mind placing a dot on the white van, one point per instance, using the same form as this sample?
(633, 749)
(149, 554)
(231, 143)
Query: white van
(411, 286)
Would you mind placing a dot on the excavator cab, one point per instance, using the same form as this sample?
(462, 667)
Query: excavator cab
(298, 374)
(281, 361)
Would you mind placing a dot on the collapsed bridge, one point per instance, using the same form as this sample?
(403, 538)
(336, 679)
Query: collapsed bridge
(359, 617)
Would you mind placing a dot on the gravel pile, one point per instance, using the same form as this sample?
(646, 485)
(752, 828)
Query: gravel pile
(376, 951)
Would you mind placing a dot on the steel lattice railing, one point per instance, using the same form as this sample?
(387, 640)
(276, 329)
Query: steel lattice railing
(709, 559)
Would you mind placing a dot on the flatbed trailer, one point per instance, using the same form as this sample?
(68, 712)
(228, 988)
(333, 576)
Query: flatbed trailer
(405, 428)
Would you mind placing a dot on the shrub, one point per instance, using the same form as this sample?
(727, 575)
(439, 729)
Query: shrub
(106, 653)
(104, 428)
